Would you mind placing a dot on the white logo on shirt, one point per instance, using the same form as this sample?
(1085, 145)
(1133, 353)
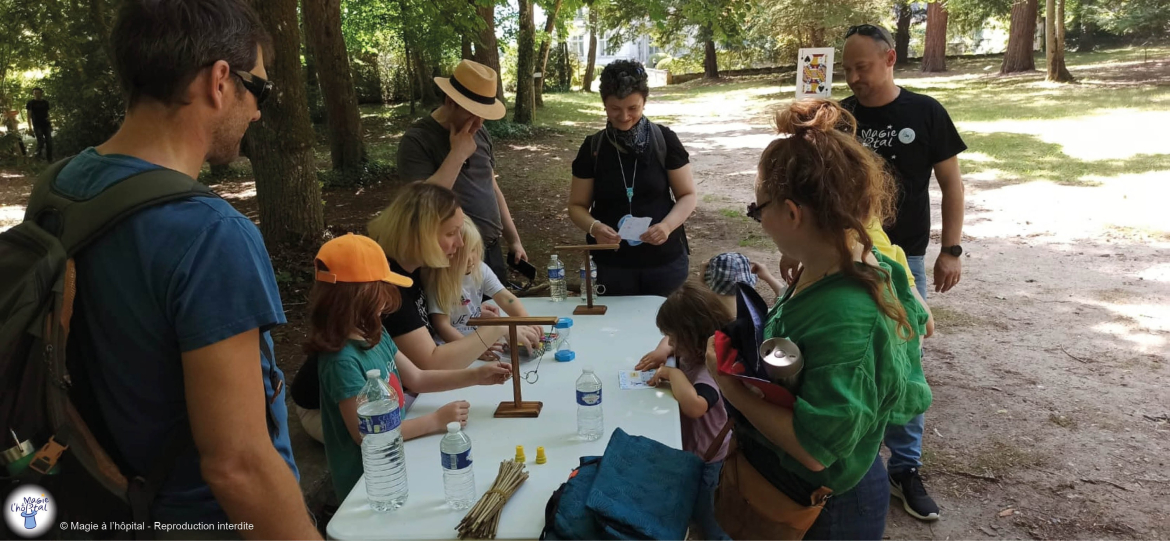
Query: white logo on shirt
(906, 136)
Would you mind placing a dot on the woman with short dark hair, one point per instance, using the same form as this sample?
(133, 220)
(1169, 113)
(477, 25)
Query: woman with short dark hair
(633, 168)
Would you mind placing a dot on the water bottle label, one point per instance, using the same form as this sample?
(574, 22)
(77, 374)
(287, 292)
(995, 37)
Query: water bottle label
(556, 274)
(379, 424)
(457, 461)
(585, 398)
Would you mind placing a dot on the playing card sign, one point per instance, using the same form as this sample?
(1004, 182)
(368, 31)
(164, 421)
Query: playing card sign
(814, 73)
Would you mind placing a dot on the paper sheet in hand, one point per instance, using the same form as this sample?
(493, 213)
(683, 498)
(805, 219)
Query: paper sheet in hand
(633, 228)
(635, 379)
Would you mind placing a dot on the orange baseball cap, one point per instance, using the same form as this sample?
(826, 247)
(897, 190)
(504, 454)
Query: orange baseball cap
(356, 259)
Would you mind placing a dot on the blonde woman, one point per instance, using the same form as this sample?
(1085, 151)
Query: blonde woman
(423, 229)
(450, 309)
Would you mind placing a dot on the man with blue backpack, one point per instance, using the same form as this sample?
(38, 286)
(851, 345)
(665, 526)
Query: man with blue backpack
(161, 294)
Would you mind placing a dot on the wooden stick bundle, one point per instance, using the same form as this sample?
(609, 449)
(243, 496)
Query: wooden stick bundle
(484, 518)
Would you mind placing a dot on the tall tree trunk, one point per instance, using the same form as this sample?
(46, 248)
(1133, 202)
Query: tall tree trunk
(1087, 27)
(312, 86)
(487, 51)
(1018, 56)
(525, 65)
(545, 47)
(465, 52)
(902, 34)
(587, 80)
(346, 148)
(409, 74)
(426, 85)
(710, 61)
(280, 145)
(1054, 37)
(934, 52)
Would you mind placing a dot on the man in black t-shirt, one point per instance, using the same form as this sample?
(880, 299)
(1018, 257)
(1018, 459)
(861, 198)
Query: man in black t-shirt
(38, 123)
(915, 136)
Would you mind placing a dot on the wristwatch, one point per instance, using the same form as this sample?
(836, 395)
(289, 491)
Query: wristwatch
(955, 250)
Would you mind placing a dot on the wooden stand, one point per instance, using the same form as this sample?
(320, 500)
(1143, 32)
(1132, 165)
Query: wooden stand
(589, 309)
(517, 407)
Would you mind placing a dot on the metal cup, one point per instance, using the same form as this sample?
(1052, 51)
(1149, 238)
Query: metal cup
(782, 362)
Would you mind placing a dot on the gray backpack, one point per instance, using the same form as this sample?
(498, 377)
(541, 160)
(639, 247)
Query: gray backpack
(44, 398)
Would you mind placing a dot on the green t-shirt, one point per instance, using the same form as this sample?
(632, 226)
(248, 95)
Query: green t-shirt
(343, 374)
(858, 377)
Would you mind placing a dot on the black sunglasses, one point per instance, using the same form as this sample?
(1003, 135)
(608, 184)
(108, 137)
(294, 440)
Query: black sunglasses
(255, 84)
(871, 31)
(754, 210)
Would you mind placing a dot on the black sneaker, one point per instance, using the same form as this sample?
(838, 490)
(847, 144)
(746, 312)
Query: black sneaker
(908, 487)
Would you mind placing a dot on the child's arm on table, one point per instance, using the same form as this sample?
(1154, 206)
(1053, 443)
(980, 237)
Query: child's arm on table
(689, 402)
(513, 307)
(657, 357)
(431, 423)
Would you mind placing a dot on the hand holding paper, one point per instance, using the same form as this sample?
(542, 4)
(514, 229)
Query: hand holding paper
(633, 228)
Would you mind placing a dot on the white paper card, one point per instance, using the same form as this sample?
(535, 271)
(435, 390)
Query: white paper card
(814, 73)
(633, 228)
(635, 379)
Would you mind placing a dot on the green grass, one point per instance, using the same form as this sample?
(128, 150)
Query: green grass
(1025, 157)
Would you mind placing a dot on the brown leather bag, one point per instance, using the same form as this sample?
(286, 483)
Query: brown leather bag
(747, 506)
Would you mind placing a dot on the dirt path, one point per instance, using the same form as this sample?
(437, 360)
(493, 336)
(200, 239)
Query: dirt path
(1052, 358)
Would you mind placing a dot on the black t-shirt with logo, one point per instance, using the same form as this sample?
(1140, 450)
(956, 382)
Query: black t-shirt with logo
(913, 133)
(412, 314)
(38, 111)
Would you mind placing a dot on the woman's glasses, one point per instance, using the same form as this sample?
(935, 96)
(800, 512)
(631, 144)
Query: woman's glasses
(754, 210)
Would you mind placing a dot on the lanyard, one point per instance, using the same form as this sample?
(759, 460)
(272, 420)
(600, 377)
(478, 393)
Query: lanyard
(633, 178)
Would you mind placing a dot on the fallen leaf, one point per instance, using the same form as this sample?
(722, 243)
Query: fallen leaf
(1007, 512)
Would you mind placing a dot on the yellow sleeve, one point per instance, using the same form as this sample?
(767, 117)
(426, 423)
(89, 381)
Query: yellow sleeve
(888, 249)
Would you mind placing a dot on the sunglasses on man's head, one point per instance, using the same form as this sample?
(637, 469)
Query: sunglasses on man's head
(255, 84)
(871, 31)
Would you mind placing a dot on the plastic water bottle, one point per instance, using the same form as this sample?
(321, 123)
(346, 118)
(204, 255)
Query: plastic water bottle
(556, 279)
(458, 477)
(590, 421)
(593, 275)
(383, 456)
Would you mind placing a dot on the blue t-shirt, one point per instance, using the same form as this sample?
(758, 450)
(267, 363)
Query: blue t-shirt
(170, 279)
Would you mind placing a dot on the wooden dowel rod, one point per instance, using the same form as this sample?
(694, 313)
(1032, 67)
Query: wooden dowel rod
(515, 365)
(513, 321)
(589, 247)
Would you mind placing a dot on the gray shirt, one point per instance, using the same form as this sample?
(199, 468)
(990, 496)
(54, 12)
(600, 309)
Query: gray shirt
(421, 152)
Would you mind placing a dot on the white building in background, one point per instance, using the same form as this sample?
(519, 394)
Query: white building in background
(608, 48)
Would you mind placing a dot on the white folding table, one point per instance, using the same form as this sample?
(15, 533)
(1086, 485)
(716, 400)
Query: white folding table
(608, 343)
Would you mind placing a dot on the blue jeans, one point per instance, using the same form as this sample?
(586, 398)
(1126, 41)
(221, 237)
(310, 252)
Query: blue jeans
(858, 513)
(703, 517)
(918, 269)
(905, 441)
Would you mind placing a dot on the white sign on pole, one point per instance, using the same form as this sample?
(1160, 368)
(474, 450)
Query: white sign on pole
(814, 73)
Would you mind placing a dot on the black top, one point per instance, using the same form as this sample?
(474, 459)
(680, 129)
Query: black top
(38, 112)
(913, 133)
(652, 197)
(412, 314)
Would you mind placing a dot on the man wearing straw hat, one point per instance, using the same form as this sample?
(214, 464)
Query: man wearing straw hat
(451, 148)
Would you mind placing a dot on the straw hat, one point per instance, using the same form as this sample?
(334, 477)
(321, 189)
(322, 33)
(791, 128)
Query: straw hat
(473, 87)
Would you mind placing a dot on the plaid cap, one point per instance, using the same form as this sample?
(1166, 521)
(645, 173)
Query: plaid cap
(726, 270)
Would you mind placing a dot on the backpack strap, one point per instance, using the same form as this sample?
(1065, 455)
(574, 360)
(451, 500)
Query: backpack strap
(79, 222)
(595, 143)
(718, 441)
(659, 144)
